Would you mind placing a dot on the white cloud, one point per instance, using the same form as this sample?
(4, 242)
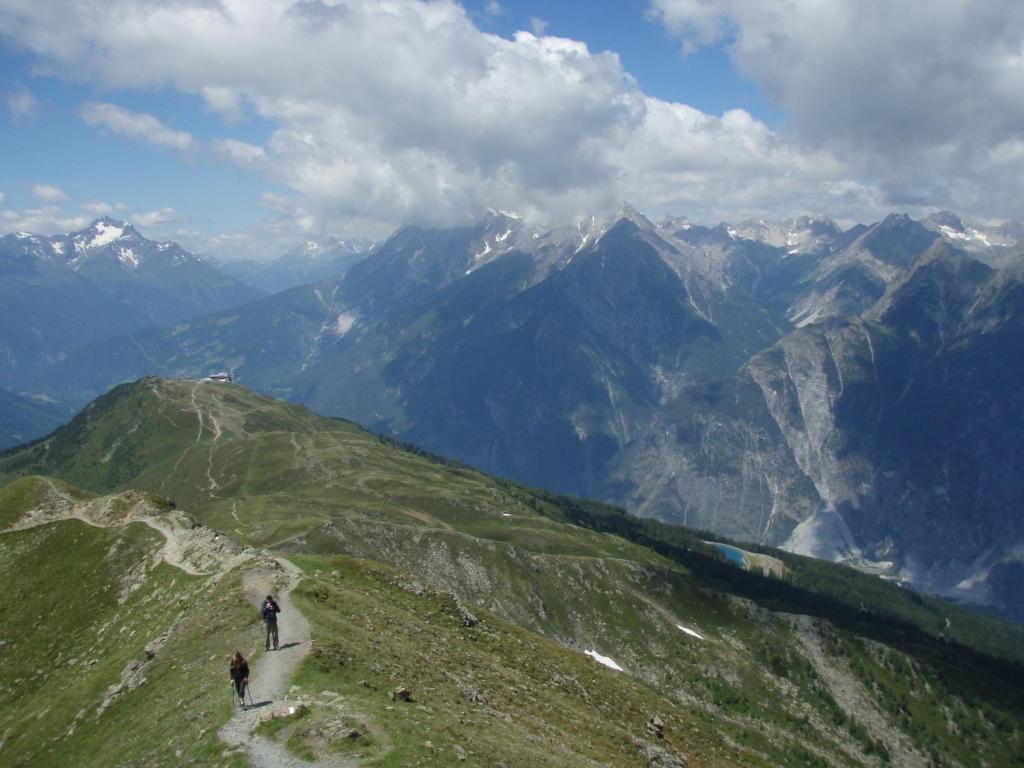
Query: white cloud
(394, 110)
(47, 220)
(139, 126)
(97, 208)
(926, 98)
(22, 104)
(227, 102)
(494, 8)
(48, 193)
(3, 198)
(239, 152)
(158, 218)
(538, 25)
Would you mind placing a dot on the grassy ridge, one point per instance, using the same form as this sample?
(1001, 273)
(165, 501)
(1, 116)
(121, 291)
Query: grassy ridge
(552, 576)
(82, 605)
(493, 693)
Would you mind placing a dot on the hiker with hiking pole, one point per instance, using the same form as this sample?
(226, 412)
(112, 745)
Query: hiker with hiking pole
(269, 611)
(240, 676)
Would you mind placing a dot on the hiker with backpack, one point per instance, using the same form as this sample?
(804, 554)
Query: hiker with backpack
(269, 611)
(240, 676)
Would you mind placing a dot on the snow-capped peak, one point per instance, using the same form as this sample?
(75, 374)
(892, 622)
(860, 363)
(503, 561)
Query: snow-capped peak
(105, 232)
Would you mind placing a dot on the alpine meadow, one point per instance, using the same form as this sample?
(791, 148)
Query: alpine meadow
(350, 416)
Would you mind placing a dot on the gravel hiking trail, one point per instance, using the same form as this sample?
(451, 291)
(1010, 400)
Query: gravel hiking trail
(270, 674)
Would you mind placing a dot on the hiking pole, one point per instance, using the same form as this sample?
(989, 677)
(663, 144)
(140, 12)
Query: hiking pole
(248, 689)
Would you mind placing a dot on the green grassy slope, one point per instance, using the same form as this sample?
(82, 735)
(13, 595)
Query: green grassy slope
(787, 672)
(82, 604)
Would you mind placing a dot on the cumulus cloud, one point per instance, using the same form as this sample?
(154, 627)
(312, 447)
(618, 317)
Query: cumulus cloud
(97, 208)
(240, 153)
(158, 218)
(926, 98)
(46, 219)
(138, 126)
(48, 193)
(22, 104)
(387, 111)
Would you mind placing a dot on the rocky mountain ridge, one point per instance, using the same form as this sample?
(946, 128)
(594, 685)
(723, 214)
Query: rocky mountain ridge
(308, 262)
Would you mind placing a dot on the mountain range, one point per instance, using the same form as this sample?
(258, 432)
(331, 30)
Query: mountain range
(308, 262)
(846, 393)
(60, 293)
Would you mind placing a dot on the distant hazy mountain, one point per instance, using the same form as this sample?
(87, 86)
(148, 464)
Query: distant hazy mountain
(63, 291)
(310, 262)
(847, 393)
(23, 419)
(998, 245)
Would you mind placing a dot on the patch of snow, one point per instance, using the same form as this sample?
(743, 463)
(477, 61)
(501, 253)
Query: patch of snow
(127, 257)
(163, 246)
(344, 322)
(511, 214)
(732, 232)
(791, 251)
(105, 234)
(605, 660)
(501, 238)
(23, 235)
(689, 631)
(811, 318)
(950, 232)
(484, 252)
(57, 247)
(980, 237)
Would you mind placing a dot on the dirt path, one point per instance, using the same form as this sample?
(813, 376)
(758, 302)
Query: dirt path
(195, 549)
(200, 551)
(271, 673)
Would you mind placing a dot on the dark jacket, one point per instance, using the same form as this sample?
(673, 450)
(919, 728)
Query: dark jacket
(270, 610)
(241, 672)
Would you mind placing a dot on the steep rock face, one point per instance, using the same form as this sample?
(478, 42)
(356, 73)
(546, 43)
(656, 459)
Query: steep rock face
(757, 455)
(891, 443)
(545, 380)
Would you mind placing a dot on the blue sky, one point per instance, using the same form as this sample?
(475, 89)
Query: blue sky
(244, 129)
